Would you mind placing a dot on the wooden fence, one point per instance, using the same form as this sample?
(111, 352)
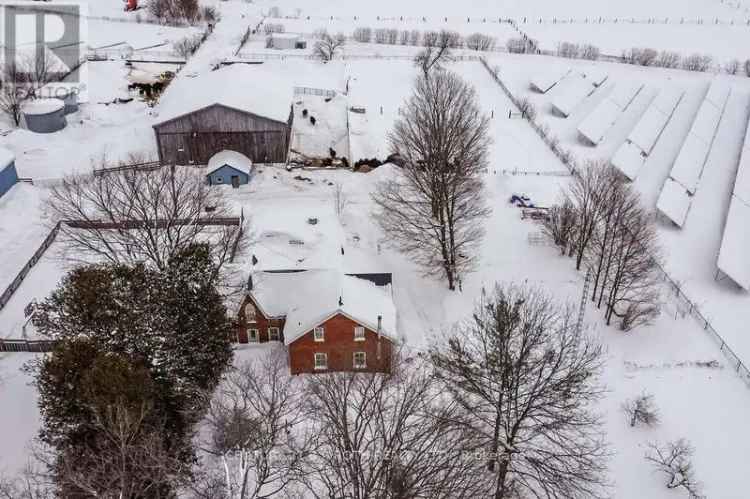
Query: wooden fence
(16, 283)
(145, 166)
(33, 346)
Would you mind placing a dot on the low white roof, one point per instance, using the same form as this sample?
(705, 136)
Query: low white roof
(742, 183)
(42, 106)
(6, 157)
(674, 202)
(286, 36)
(652, 123)
(245, 87)
(548, 79)
(628, 159)
(235, 159)
(310, 297)
(734, 256)
(575, 90)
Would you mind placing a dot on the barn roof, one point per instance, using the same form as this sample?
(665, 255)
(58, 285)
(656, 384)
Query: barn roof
(233, 159)
(309, 298)
(247, 88)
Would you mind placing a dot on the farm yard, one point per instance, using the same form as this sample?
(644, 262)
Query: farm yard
(678, 137)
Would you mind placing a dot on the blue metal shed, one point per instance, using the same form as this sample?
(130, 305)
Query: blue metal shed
(229, 167)
(8, 175)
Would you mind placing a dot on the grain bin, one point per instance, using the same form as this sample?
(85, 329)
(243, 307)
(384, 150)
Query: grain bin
(66, 92)
(44, 115)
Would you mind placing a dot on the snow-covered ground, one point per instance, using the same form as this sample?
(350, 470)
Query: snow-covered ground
(699, 394)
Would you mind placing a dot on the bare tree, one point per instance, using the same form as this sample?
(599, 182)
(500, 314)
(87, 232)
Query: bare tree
(525, 379)
(388, 436)
(560, 225)
(362, 34)
(668, 59)
(327, 46)
(568, 49)
(131, 459)
(14, 90)
(587, 194)
(732, 67)
(641, 409)
(632, 286)
(256, 443)
(433, 208)
(590, 52)
(135, 216)
(674, 460)
(30, 483)
(480, 41)
(437, 52)
(340, 199)
(697, 62)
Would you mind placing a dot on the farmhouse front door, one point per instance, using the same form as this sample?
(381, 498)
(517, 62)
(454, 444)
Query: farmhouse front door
(235, 181)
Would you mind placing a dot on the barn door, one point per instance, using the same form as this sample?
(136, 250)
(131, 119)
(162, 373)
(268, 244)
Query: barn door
(235, 181)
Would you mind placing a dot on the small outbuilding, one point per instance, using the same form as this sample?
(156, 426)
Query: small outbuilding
(285, 41)
(8, 174)
(229, 167)
(44, 115)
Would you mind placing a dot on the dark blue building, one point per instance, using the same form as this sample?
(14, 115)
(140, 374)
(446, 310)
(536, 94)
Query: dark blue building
(8, 175)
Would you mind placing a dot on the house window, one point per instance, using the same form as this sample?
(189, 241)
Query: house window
(253, 335)
(219, 180)
(273, 333)
(360, 360)
(319, 334)
(250, 314)
(321, 361)
(359, 333)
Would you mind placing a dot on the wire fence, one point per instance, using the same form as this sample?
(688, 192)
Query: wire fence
(452, 20)
(688, 306)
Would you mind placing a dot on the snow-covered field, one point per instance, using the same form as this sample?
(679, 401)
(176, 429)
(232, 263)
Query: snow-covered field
(697, 390)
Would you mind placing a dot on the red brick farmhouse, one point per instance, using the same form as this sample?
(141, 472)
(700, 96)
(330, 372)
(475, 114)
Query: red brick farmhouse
(329, 321)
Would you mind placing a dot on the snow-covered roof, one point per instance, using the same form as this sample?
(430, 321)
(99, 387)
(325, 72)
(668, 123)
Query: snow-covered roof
(6, 157)
(628, 159)
(735, 245)
(42, 106)
(688, 167)
(234, 159)
(652, 123)
(244, 87)
(310, 297)
(742, 183)
(548, 79)
(572, 94)
(674, 202)
(596, 76)
(286, 36)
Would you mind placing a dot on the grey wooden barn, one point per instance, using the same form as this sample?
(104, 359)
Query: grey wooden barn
(234, 108)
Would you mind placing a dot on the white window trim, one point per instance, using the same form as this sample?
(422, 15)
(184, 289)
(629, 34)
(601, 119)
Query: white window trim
(250, 335)
(364, 333)
(322, 335)
(315, 361)
(219, 180)
(354, 360)
(251, 319)
(278, 334)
